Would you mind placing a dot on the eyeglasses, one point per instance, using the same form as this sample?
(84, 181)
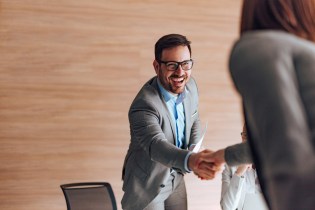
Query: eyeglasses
(173, 65)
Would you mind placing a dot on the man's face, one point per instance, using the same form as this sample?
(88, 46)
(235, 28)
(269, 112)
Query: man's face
(173, 81)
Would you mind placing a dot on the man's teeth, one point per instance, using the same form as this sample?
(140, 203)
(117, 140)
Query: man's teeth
(178, 79)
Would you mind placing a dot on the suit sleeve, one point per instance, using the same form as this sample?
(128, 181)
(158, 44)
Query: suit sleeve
(147, 133)
(238, 154)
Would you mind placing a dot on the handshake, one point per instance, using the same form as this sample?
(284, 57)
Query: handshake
(206, 164)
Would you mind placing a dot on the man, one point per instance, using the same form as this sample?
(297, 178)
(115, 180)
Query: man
(164, 123)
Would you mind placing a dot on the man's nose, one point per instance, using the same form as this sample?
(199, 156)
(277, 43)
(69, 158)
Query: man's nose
(179, 70)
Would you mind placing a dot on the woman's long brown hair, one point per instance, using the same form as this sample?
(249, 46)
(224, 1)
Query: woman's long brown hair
(293, 16)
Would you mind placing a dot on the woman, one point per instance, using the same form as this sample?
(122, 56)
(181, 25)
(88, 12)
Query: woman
(272, 67)
(237, 182)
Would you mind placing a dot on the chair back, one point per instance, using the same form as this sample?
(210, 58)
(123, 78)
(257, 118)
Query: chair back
(89, 196)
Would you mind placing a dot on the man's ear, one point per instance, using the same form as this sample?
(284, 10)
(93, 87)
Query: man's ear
(156, 66)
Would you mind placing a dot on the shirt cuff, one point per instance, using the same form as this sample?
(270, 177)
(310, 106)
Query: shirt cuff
(186, 162)
(191, 147)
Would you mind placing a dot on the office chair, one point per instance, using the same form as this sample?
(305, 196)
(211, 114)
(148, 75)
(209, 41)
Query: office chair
(89, 196)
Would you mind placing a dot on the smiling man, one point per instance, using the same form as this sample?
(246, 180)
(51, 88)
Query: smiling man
(174, 75)
(164, 124)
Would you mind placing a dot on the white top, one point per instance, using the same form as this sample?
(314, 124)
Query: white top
(254, 201)
(235, 188)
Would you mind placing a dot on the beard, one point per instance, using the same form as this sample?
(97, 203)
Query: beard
(173, 83)
(176, 84)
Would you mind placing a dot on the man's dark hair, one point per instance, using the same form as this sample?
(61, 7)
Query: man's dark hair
(170, 41)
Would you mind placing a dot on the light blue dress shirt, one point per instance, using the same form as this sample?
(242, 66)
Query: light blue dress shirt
(176, 108)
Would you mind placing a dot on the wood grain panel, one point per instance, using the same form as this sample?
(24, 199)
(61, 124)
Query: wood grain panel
(69, 70)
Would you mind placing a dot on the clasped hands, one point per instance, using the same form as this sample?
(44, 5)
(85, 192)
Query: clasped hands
(206, 164)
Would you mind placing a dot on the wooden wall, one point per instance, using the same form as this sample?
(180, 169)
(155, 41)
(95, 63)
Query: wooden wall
(69, 70)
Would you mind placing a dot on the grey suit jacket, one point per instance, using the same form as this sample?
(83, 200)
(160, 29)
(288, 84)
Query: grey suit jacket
(152, 151)
(274, 72)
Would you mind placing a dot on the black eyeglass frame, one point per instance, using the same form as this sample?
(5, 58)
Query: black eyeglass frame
(178, 64)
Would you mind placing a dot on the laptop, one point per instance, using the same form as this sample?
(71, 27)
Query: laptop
(254, 201)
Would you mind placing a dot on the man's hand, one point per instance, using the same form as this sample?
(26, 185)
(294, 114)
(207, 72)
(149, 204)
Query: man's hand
(203, 164)
(216, 158)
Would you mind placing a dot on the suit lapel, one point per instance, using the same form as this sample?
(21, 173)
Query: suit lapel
(187, 110)
(169, 116)
(173, 126)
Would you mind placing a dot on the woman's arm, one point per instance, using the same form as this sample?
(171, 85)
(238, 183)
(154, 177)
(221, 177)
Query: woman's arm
(231, 189)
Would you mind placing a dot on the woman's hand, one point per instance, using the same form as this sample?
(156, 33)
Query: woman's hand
(240, 171)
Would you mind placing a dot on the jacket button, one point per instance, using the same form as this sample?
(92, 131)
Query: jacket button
(162, 185)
